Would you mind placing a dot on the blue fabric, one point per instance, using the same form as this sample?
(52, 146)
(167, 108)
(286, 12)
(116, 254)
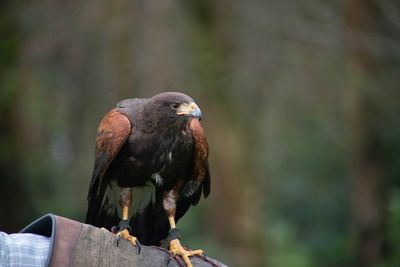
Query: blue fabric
(28, 250)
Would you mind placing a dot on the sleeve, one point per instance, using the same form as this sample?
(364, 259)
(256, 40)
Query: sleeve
(3, 249)
(24, 250)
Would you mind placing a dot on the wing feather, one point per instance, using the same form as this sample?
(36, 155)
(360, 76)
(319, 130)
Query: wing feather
(113, 131)
(200, 178)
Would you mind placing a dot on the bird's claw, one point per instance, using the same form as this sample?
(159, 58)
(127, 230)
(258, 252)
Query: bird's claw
(133, 240)
(176, 248)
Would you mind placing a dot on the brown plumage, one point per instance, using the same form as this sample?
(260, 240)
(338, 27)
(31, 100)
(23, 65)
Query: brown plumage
(152, 156)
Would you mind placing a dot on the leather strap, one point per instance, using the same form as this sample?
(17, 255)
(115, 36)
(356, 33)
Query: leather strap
(66, 236)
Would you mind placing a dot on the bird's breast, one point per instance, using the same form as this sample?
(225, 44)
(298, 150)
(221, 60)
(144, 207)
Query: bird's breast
(161, 158)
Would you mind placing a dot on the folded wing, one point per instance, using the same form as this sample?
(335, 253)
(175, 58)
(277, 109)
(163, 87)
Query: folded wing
(112, 134)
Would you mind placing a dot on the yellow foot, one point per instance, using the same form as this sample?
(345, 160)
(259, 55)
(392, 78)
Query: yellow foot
(176, 248)
(125, 235)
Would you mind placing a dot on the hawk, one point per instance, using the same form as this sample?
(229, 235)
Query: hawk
(151, 165)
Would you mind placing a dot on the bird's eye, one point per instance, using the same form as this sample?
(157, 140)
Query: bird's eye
(175, 106)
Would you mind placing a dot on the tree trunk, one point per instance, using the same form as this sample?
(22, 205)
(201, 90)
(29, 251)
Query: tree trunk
(369, 185)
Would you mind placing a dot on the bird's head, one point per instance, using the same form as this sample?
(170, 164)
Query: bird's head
(172, 108)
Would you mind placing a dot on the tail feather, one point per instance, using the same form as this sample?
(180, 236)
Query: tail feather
(150, 225)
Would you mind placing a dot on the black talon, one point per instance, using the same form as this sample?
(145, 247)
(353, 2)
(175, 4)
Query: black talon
(118, 239)
(170, 257)
(139, 246)
(204, 256)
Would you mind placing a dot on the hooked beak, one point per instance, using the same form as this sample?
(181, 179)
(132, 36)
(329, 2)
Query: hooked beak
(190, 109)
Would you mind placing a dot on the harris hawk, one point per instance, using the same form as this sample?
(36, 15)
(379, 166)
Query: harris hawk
(151, 165)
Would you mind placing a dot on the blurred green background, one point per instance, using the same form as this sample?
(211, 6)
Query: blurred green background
(301, 103)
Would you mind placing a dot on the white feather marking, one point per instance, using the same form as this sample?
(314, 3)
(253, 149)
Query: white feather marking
(157, 178)
(170, 156)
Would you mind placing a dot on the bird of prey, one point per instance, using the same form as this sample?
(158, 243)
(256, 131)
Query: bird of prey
(151, 165)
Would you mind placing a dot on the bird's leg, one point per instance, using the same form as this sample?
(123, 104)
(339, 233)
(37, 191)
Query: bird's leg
(124, 228)
(175, 246)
